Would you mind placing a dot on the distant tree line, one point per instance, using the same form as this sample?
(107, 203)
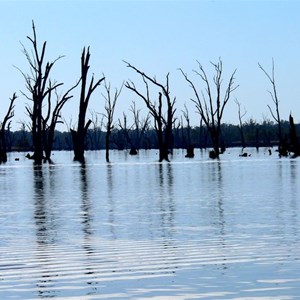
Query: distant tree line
(255, 135)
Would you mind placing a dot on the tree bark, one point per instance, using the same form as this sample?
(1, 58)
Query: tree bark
(211, 110)
(79, 135)
(163, 126)
(8, 116)
(40, 87)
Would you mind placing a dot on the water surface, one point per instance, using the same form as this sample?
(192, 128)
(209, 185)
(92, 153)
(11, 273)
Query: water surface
(138, 229)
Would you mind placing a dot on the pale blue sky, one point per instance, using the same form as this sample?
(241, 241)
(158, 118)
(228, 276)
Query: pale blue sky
(159, 37)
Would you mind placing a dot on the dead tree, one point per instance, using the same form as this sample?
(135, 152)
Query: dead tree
(189, 146)
(186, 116)
(40, 88)
(110, 104)
(241, 125)
(294, 143)
(49, 130)
(282, 147)
(203, 135)
(4, 125)
(138, 127)
(163, 124)
(79, 135)
(135, 133)
(124, 132)
(211, 110)
(95, 133)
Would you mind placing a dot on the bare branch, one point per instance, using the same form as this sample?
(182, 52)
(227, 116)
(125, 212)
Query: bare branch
(162, 123)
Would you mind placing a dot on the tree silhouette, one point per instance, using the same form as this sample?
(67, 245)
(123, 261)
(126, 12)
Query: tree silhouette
(49, 130)
(78, 136)
(294, 143)
(110, 104)
(282, 147)
(211, 110)
(134, 135)
(163, 124)
(40, 88)
(4, 125)
(187, 141)
(241, 125)
(140, 125)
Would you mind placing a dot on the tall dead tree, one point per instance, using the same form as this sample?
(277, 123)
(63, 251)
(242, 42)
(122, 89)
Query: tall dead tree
(241, 125)
(163, 124)
(110, 104)
(79, 135)
(123, 133)
(40, 91)
(186, 116)
(282, 148)
(137, 129)
(140, 125)
(40, 88)
(211, 110)
(4, 125)
(49, 129)
(95, 134)
(189, 146)
(294, 146)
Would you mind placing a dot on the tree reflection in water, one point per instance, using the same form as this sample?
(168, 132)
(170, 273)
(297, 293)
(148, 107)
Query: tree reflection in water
(87, 229)
(45, 227)
(110, 200)
(166, 200)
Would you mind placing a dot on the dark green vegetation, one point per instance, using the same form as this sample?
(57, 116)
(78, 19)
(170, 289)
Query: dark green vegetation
(255, 135)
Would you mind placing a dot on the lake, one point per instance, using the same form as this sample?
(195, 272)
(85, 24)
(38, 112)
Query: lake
(138, 229)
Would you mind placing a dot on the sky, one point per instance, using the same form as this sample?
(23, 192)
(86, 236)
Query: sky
(158, 37)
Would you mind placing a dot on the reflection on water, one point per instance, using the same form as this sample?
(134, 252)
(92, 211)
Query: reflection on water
(45, 230)
(167, 208)
(44, 211)
(111, 203)
(86, 202)
(87, 230)
(135, 229)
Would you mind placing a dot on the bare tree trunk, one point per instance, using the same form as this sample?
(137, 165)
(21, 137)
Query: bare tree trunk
(211, 112)
(8, 116)
(276, 116)
(50, 130)
(294, 147)
(110, 104)
(79, 135)
(40, 88)
(241, 115)
(163, 126)
(189, 146)
(139, 126)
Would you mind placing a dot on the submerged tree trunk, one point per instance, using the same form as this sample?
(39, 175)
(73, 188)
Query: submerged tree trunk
(294, 145)
(49, 131)
(110, 104)
(107, 137)
(215, 141)
(79, 142)
(282, 145)
(241, 125)
(163, 125)
(79, 135)
(210, 111)
(8, 116)
(40, 88)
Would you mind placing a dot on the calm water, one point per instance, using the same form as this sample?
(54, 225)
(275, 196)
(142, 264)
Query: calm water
(137, 229)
